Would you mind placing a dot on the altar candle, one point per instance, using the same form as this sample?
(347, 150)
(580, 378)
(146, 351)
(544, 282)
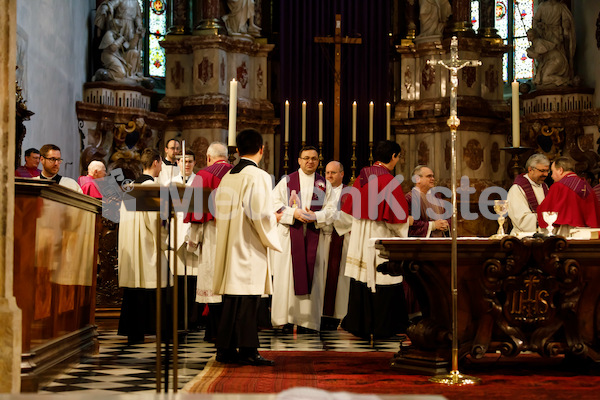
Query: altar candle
(371, 109)
(320, 121)
(354, 106)
(304, 121)
(388, 121)
(516, 137)
(232, 111)
(287, 121)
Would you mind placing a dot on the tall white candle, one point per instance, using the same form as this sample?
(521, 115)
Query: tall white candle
(354, 106)
(232, 111)
(304, 121)
(320, 121)
(371, 109)
(388, 121)
(516, 135)
(287, 121)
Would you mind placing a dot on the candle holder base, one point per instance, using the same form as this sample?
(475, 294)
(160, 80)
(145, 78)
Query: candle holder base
(321, 157)
(353, 159)
(231, 150)
(514, 168)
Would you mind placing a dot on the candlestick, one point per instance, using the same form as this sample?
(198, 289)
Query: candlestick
(183, 160)
(320, 122)
(371, 109)
(388, 121)
(516, 137)
(232, 111)
(354, 106)
(321, 158)
(304, 122)
(353, 160)
(287, 121)
(286, 158)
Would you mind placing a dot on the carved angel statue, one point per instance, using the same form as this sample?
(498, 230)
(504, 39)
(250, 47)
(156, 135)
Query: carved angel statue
(554, 30)
(241, 18)
(433, 16)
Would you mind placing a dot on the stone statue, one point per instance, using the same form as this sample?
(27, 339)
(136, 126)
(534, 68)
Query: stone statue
(555, 31)
(552, 67)
(433, 15)
(241, 18)
(120, 24)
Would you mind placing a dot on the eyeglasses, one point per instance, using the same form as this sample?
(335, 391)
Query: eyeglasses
(53, 160)
(315, 159)
(543, 171)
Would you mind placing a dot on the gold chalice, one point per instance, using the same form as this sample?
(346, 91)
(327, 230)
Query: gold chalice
(501, 208)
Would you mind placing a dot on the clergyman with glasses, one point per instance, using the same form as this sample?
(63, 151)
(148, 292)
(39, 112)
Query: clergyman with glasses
(304, 199)
(51, 160)
(527, 193)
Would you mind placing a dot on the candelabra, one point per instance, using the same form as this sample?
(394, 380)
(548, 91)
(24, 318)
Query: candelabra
(514, 168)
(320, 157)
(353, 159)
(286, 159)
(371, 152)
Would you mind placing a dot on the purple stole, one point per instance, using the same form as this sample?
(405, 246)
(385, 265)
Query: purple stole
(524, 183)
(576, 184)
(219, 169)
(304, 246)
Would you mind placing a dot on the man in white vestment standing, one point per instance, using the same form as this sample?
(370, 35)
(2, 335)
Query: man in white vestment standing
(170, 169)
(246, 229)
(138, 260)
(334, 248)
(203, 236)
(527, 192)
(303, 199)
(51, 160)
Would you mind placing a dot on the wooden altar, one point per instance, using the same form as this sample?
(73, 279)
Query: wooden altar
(532, 295)
(55, 258)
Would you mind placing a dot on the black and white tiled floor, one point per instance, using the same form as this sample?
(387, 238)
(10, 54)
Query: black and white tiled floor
(120, 368)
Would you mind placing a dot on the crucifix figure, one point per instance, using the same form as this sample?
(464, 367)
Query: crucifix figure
(337, 40)
(454, 65)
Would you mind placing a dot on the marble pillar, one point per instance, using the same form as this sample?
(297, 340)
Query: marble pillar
(461, 17)
(179, 17)
(411, 20)
(210, 23)
(10, 314)
(487, 19)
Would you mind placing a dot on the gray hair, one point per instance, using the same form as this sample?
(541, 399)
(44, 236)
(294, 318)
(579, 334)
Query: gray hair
(95, 166)
(536, 159)
(339, 164)
(217, 150)
(417, 170)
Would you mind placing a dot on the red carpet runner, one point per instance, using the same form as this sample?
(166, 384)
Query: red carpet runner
(370, 373)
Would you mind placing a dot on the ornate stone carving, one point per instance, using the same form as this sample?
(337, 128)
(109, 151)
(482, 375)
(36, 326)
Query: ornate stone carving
(469, 74)
(408, 81)
(428, 76)
(549, 140)
(199, 147)
(222, 71)
(495, 157)
(423, 154)
(177, 75)
(259, 78)
(242, 75)
(473, 154)
(108, 292)
(205, 70)
(491, 78)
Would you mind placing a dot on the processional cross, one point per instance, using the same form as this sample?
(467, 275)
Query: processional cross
(337, 40)
(453, 65)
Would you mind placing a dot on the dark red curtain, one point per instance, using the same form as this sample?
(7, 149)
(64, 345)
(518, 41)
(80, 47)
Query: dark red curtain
(307, 73)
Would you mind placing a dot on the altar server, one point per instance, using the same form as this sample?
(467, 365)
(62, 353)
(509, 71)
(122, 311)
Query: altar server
(51, 160)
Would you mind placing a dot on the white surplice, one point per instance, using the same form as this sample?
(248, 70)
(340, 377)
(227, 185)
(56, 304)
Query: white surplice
(519, 212)
(246, 228)
(286, 307)
(137, 248)
(187, 261)
(339, 225)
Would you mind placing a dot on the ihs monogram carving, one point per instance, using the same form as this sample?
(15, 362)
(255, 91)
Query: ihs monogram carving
(205, 71)
(473, 154)
(491, 78)
(259, 78)
(222, 71)
(177, 75)
(242, 75)
(469, 74)
(423, 154)
(428, 76)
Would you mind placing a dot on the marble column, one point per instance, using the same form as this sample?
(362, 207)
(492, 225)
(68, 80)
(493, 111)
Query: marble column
(10, 314)
(180, 17)
(210, 23)
(487, 19)
(411, 18)
(461, 17)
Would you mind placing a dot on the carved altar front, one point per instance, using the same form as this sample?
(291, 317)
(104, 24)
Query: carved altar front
(514, 296)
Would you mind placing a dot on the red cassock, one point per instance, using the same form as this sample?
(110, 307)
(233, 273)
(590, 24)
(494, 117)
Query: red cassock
(574, 200)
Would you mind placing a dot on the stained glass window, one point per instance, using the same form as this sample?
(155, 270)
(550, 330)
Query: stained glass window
(155, 18)
(521, 21)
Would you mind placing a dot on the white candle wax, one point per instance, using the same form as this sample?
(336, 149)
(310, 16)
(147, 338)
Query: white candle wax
(287, 121)
(354, 106)
(371, 110)
(388, 121)
(232, 112)
(320, 121)
(304, 121)
(516, 136)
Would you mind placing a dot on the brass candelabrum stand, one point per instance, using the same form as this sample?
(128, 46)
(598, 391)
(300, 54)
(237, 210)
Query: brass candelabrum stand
(371, 152)
(321, 157)
(353, 159)
(286, 158)
(231, 150)
(515, 164)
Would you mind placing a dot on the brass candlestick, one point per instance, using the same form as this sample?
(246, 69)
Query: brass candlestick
(231, 150)
(320, 157)
(371, 152)
(286, 159)
(515, 168)
(353, 159)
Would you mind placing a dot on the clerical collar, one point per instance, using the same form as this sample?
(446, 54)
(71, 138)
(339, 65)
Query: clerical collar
(380, 164)
(532, 182)
(167, 162)
(246, 158)
(56, 178)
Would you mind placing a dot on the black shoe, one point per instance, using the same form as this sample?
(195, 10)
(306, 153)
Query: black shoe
(303, 330)
(287, 329)
(227, 356)
(257, 360)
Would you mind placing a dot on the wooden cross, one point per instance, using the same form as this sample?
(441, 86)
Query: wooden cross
(337, 40)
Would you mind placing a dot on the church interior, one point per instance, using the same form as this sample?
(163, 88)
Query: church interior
(338, 75)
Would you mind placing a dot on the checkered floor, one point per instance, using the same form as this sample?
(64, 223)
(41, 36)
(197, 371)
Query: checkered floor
(119, 368)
